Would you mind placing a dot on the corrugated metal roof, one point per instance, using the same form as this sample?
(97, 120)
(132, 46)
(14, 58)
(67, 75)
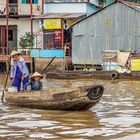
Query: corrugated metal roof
(129, 4)
(59, 15)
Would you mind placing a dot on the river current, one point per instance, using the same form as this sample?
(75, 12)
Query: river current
(115, 117)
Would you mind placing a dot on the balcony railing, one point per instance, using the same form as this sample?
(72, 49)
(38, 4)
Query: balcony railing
(13, 9)
(59, 1)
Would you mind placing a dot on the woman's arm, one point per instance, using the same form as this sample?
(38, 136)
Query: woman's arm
(12, 71)
(24, 69)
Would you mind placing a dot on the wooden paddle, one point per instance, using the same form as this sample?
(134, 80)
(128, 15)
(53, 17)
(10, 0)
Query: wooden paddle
(6, 80)
(48, 65)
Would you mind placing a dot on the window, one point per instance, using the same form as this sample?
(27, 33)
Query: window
(10, 35)
(12, 1)
(28, 1)
(52, 39)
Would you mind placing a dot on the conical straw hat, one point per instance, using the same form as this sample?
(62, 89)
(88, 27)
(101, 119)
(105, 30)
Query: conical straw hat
(36, 74)
(15, 52)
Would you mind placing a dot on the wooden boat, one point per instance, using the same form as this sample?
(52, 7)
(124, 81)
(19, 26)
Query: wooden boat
(77, 74)
(69, 99)
(105, 75)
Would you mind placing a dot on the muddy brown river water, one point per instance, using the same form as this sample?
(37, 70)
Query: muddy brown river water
(115, 117)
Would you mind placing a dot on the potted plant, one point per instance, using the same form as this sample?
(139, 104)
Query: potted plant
(26, 41)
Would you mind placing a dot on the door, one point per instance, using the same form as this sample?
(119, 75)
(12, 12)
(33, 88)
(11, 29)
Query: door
(48, 40)
(2, 40)
(12, 39)
(53, 39)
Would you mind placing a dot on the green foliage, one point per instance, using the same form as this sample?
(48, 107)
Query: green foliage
(26, 40)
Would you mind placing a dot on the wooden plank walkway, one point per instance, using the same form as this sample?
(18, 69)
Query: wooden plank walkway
(5, 58)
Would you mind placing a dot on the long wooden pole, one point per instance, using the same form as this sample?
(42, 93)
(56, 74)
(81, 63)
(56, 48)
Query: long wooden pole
(7, 27)
(48, 65)
(6, 80)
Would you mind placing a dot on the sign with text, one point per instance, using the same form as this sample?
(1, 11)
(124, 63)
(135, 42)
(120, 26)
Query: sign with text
(50, 24)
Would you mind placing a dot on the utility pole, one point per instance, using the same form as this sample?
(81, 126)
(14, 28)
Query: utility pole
(31, 14)
(7, 28)
(31, 44)
(42, 7)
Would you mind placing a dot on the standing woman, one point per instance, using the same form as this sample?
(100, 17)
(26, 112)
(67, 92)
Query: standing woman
(19, 71)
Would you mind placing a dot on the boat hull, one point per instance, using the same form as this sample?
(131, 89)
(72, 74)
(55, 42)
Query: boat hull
(104, 75)
(76, 99)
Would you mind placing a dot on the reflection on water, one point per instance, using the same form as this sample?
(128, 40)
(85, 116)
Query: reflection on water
(116, 116)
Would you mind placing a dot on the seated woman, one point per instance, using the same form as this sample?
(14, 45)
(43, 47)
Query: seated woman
(35, 82)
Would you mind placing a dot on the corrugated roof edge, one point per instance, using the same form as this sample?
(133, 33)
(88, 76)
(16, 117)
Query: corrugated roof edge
(120, 1)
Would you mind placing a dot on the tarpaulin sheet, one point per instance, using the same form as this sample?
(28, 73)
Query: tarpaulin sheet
(122, 58)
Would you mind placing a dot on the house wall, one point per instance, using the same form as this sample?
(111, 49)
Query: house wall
(21, 28)
(23, 8)
(70, 8)
(65, 8)
(117, 27)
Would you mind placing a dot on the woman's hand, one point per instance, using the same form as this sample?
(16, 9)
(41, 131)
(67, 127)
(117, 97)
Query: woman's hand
(22, 78)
